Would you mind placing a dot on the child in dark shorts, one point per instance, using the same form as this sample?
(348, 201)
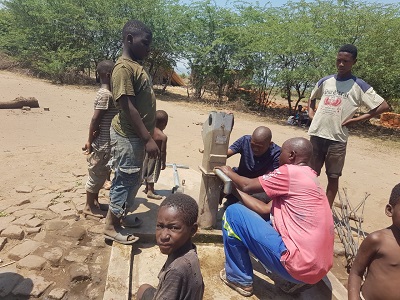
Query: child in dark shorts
(180, 277)
(153, 166)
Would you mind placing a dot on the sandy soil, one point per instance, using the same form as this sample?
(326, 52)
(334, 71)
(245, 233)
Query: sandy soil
(38, 148)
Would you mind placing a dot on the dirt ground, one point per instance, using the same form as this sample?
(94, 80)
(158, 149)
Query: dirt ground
(38, 147)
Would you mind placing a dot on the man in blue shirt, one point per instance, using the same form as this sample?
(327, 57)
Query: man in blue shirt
(258, 156)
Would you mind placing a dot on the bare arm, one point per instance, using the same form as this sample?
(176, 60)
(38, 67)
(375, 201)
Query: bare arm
(163, 152)
(247, 185)
(372, 113)
(127, 105)
(365, 253)
(93, 129)
(311, 108)
(230, 153)
(256, 205)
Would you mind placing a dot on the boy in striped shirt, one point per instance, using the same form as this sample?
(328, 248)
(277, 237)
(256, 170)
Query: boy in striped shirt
(97, 147)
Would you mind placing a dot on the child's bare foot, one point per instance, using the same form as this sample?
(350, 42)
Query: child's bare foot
(94, 212)
(153, 195)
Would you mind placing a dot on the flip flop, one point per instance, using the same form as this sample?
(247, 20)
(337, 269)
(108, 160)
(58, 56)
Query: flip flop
(122, 238)
(131, 222)
(245, 291)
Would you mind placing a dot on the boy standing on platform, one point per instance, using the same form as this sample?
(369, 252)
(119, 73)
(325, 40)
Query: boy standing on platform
(131, 129)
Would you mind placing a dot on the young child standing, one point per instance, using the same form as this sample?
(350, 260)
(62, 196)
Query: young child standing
(98, 146)
(180, 277)
(379, 254)
(153, 166)
(131, 129)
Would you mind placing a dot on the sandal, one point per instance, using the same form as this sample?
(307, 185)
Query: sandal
(245, 291)
(125, 239)
(131, 221)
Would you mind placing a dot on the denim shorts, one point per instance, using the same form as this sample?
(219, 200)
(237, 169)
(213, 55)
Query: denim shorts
(127, 155)
(98, 170)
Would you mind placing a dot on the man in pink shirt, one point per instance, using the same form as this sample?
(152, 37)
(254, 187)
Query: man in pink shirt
(296, 243)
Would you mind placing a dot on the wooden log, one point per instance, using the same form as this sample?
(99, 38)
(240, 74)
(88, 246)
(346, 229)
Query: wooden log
(19, 102)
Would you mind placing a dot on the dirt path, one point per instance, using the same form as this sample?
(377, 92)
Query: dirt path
(38, 147)
(42, 149)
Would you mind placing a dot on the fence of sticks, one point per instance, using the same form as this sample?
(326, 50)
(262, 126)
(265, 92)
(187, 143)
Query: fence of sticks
(348, 221)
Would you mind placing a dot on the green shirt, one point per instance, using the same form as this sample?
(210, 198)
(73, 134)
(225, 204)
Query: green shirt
(130, 78)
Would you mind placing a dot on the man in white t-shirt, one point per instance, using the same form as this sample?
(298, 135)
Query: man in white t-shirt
(340, 96)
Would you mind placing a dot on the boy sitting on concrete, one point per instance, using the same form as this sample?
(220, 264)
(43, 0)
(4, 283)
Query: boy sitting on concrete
(379, 254)
(180, 277)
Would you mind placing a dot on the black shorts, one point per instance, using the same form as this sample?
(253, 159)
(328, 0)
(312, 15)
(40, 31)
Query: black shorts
(332, 153)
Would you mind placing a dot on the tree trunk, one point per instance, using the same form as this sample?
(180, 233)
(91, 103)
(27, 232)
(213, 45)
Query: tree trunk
(19, 103)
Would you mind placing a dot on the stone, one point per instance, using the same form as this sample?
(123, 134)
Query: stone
(69, 215)
(59, 208)
(93, 292)
(69, 194)
(78, 255)
(57, 293)
(46, 215)
(3, 242)
(97, 229)
(54, 256)
(24, 211)
(8, 281)
(35, 222)
(24, 189)
(32, 262)
(80, 191)
(4, 204)
(76, 232)
(5, 222)
(78, 173)
(43, 191)
(56, 225)
(32, 230)
(22, 220)
(33, 286)
(11, 209)
(338, 249)
(22, 250)
(79, 272)
(19, 202)
(13, 232)
(42, 204)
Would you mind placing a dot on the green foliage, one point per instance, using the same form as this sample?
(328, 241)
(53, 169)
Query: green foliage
(267, 49)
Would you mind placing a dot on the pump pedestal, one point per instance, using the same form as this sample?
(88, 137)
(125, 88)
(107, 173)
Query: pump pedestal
(215, 132)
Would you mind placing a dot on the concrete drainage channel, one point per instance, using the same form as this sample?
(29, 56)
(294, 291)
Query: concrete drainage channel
(131, 266)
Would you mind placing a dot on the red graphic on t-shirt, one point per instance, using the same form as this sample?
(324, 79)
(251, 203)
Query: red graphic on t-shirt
(332, 101)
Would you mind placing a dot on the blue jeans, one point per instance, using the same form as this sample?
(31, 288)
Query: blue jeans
(127, 155)
(243, 231)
